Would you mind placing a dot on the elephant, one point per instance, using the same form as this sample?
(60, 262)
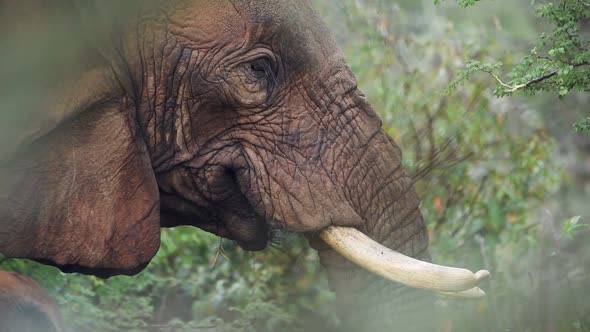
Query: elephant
(238, 117)
(26, 307)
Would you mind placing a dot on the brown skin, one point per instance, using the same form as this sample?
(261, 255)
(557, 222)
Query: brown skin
(26, 307)
(237, 117)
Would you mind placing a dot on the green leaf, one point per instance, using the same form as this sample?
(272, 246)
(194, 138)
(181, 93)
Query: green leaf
(583, 126)
(572, 226)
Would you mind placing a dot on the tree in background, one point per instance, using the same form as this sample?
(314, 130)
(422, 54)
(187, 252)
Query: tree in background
(559, 63)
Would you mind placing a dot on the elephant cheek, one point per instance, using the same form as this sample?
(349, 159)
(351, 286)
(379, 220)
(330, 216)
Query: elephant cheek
(298, 203)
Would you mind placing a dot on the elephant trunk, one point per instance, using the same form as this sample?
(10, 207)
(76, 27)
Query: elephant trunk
(367, 301)
(392, 232)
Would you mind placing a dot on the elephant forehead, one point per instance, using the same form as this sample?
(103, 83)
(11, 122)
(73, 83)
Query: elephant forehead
(291, 28)
(205, 21)
(294, 28)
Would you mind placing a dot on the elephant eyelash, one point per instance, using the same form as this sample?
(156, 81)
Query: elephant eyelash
(262, 68)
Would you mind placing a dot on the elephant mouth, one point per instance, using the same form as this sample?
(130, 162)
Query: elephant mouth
(247, 230)
(221, 209)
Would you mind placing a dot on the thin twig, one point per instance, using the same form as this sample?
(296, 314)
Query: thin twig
(514, 88)
(220, 251)
(466, 216)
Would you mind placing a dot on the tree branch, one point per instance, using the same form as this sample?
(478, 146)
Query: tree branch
(514, 88)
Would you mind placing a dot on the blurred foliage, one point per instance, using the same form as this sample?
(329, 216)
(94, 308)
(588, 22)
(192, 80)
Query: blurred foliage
(559, 63)
(197, 282)
(583, 126)
(483, 167)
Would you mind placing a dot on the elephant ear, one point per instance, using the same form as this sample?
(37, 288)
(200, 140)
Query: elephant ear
(83, 197)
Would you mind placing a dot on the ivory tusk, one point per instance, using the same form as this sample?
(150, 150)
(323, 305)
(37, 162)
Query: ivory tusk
(367, 253)
(473, 293)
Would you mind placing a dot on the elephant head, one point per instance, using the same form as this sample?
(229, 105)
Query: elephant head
(26, 307)
(235, 116)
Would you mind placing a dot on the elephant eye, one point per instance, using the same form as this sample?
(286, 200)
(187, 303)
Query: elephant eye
(252, 82)
(262, 69)
(259, 69)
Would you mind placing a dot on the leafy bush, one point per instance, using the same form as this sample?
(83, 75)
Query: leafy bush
(197, 282)
(559, 63)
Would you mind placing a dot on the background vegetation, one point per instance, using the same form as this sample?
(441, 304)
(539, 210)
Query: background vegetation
(504, 181)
